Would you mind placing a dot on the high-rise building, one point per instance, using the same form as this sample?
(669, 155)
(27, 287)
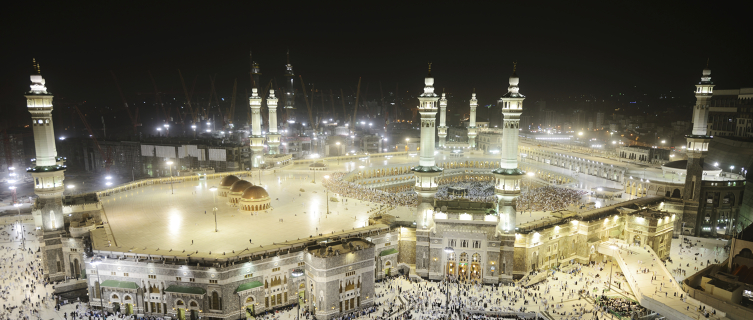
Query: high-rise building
(599, 120)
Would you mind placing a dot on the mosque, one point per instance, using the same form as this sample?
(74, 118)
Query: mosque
(137, 271)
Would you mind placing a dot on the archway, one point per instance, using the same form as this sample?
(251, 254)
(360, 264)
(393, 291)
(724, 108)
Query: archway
(676, 193)
(476, 267)
(249, 307)
(637, 240)
(387, 268)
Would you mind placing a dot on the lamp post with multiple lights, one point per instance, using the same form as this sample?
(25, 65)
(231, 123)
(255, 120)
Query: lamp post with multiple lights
(170, 165)
(214, 207)
(327, 194)
(297, 273)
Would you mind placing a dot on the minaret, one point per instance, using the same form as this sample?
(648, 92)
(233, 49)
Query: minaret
(508, 176)
(257, 140)
(48, 173)
(697, 148)
(273, 138)
(426, 172)
(472, 122)
(289, 91)
(442, 120)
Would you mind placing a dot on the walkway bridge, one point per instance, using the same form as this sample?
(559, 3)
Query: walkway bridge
(647, 291)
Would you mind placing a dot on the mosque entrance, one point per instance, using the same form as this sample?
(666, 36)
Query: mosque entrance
(116, 307)
(194, 314)
(476, 266)
(462, 271)
(637, 240)
(450, 268)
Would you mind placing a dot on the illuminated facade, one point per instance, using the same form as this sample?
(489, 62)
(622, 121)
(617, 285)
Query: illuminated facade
(472, 123)
(273, 138)
(257, 139)
(508, 176)
(442, 129)
(48, 174)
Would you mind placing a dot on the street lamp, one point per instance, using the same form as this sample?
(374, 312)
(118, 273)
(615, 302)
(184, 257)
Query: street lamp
(338, 152)
(95, 262)
(18, 207)
(327, 195)
(170, 164)
(610, 266)
(214, 208)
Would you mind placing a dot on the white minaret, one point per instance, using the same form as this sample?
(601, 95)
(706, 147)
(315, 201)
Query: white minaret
(426, 173)
(48, 173)
(697, 148)
(442, 120)
(472, 122)
(273, 138)
(257, 140)
(508, 176)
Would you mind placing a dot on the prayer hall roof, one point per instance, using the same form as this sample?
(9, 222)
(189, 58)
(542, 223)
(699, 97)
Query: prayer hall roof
(228, 181)
(240, 186)
(255, 193)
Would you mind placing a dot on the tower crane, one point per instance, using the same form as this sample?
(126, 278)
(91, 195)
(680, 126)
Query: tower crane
(308, 106)
(106, 156)
(134, 117)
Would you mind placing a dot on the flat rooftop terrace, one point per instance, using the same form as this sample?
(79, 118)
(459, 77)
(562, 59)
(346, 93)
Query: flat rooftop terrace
(156, 221)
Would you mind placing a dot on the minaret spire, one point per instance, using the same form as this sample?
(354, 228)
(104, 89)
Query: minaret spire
(429, 75)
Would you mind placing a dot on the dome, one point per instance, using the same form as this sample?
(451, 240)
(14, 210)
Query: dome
(228, 181)
(255, 193)
(240, 185)
(707, 72)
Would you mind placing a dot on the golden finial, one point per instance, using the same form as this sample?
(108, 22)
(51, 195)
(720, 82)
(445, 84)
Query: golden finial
(707, 62)
(430, 69)
(514, 66)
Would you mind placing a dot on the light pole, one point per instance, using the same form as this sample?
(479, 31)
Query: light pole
(18, 207)
(214, 208)
(170, 164)
(326, 197)
(339, 154)
(95, 262)
(610, 267)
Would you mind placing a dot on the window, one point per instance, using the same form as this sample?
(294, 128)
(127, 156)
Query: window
(300, 264)
(177, 278)
(111, 273)
(387, 243)
(275, 269)
(191, 279)
(125, 274)
(151, 276)
(351, 273)
(477, 244)
(213, 281)
(245, 277)
(452, 242)
(464, 243)
(74, 250)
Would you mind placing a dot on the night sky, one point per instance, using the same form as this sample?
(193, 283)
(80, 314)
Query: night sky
(563, 48)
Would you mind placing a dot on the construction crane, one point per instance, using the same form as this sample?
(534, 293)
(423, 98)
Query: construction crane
(134, 117)
(355, 109)
(230, 112)
(194, 114)
(308, 105)
(159, 100)
(345, 113)
(105, 156)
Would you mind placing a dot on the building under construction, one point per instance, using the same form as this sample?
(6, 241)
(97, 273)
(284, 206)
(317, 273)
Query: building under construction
(140, 159)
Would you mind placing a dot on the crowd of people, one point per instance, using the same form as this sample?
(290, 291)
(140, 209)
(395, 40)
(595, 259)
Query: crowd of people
(344, 188)
(472, 191)
(549, 198)
(622, 307)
